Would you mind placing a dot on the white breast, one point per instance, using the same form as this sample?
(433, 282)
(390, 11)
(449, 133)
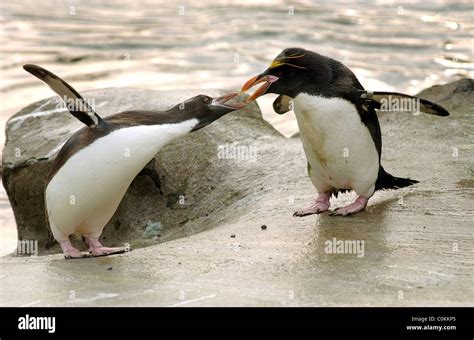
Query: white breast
(92, 182)
(338, 147)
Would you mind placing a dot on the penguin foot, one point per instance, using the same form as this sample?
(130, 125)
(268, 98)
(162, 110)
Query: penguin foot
(97, 249)
(70, 252)
(359, 205)
(80, 255)
(319, 206)
(104, 251)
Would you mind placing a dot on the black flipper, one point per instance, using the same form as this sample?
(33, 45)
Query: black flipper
(387, 181)
(74, 102)
(282, 104)
(377, 100)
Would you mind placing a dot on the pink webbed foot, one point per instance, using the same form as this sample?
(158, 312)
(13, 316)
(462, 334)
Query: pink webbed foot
(96, 248)
(70, 252)
(321, 204)
(359, 204)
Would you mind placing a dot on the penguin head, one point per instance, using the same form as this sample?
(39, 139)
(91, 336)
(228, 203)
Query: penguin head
(208, 109)
(293, 71)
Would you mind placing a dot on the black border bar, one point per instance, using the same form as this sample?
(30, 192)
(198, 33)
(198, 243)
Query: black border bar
(291, 323)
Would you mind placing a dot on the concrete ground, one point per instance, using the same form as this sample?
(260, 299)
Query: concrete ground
(409, 260)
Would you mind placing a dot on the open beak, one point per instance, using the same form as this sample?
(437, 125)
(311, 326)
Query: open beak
(267, 80)
(222, 101)
(220, 105)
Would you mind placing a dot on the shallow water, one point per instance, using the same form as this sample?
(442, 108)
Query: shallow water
(170, 45)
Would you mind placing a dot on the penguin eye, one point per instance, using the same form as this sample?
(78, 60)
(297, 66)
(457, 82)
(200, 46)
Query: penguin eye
(206, 99)
(279, 74)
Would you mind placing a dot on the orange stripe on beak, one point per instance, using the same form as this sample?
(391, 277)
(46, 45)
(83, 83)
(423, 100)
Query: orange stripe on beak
(251, 83)
(268, 80)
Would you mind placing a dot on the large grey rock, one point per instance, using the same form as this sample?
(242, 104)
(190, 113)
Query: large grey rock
(457, 97)
(180, 186)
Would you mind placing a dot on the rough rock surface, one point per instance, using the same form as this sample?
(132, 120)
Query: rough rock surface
(456, 97)
(417, 240)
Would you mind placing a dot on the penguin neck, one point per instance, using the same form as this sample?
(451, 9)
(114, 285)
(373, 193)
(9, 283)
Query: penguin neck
(173, 116)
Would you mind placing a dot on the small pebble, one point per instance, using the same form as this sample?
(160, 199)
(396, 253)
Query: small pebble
(264, 227)
(232, 236)
(109, 268)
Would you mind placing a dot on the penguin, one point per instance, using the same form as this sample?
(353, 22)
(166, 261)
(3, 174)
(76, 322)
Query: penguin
(338, 125)
(96, 165)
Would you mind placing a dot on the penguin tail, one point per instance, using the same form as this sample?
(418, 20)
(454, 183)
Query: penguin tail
(387, 100)
(74, 102)
(387, 181)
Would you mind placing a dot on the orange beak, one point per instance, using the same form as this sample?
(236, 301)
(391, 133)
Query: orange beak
(268, 80)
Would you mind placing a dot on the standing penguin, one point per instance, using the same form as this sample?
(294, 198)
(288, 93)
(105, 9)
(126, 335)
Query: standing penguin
(94, 168)
(337, 123)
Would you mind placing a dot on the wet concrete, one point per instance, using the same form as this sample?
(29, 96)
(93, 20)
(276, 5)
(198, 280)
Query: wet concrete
(418, 241)
(409, 260)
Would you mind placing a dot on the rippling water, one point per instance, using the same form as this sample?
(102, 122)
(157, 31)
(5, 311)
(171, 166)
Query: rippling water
(169, 45)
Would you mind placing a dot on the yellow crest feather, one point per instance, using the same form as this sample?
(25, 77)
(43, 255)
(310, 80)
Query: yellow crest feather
(282, 61)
